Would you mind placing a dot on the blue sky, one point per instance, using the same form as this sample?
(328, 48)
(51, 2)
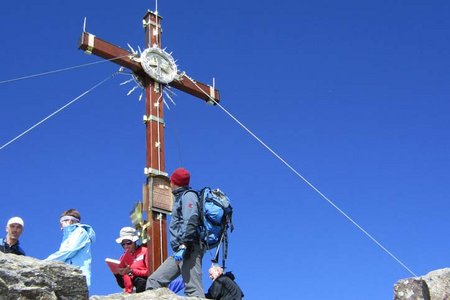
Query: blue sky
(353, 94)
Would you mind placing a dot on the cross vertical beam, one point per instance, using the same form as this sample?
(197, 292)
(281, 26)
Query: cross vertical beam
(155, 160)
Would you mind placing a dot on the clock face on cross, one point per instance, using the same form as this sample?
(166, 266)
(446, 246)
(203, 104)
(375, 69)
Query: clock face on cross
(159, 65)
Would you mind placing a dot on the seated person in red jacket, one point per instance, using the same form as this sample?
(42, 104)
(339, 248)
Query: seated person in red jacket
(223, 286)
(133, 270)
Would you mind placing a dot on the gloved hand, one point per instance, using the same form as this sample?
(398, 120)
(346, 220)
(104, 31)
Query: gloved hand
(179, 254)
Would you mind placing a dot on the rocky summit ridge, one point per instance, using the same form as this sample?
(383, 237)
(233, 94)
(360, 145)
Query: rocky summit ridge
(27, 278)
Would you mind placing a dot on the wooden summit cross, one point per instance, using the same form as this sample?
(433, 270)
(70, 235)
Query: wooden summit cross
(154, 73)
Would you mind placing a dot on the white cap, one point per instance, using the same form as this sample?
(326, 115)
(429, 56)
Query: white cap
(127, 233)
(16, 220)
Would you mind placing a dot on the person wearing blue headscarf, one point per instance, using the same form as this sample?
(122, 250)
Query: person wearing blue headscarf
(75, 248)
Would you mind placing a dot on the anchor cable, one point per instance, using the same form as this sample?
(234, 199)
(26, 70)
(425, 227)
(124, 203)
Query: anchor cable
(306, 181)
(60, 70)
(58, 110)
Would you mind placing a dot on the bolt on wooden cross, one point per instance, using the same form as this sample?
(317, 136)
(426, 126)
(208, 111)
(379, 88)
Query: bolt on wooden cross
(157, 64)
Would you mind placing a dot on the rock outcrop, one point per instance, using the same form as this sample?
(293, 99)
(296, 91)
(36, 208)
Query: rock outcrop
(433, 286)
(159, 294)
(26, 278)
(438, 282)
(411, 289)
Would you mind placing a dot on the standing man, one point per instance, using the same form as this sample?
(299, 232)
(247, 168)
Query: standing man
(184, 240)
(76, 243)
(10, 244)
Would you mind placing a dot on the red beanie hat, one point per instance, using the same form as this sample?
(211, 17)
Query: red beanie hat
(180, 177)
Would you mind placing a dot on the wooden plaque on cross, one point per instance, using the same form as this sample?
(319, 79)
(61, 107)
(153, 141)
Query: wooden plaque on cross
(154, 113)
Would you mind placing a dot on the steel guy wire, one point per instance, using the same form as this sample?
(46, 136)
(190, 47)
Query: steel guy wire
(60, 70)
(58, 110)
(307, 181)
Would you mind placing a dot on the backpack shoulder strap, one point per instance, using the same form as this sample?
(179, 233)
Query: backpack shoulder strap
(187, 191)
(196, 193)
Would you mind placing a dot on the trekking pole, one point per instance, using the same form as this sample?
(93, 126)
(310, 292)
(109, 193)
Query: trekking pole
(216, 256)
(225, 250)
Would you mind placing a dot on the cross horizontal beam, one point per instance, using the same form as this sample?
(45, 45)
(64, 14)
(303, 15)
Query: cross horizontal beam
(94, 45)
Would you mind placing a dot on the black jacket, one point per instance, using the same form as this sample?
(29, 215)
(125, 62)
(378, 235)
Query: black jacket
(224, 288)
(15, 249)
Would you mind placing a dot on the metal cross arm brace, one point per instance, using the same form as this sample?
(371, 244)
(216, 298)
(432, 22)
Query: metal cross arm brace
(153, 118)
(94, 45)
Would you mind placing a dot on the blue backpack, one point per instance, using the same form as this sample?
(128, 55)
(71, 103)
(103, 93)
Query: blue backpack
(216, 218)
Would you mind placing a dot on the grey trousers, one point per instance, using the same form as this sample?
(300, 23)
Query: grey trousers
(190, 269)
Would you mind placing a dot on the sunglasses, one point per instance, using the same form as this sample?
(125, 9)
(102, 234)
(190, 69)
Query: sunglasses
(126, 243)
